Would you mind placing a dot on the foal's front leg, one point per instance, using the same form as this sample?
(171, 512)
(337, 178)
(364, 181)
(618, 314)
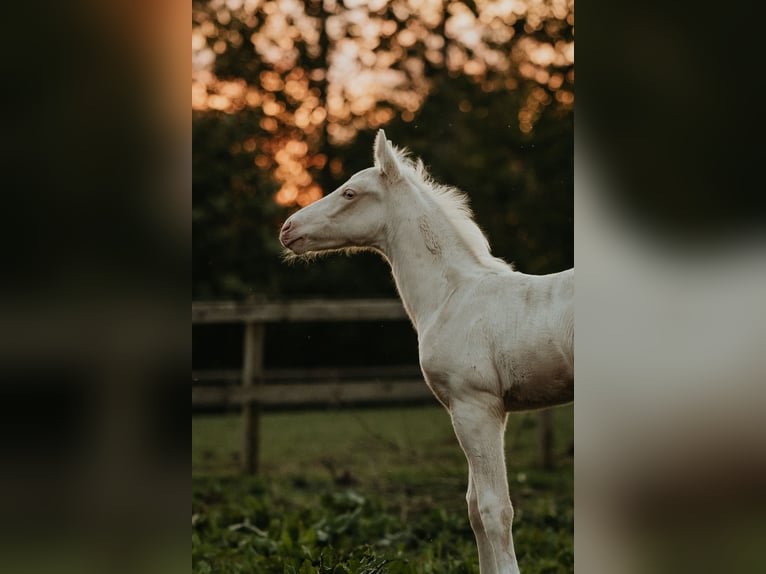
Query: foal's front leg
(480, 427)
(487, 564)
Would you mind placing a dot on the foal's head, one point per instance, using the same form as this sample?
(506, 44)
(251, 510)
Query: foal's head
(355, 214)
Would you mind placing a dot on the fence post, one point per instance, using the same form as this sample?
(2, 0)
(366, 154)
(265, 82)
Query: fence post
(545, 436)
(252, 374)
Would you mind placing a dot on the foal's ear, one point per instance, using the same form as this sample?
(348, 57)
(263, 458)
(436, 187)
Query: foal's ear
(385, 157)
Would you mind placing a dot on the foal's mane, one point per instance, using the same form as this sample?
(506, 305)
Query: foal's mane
(455, 205)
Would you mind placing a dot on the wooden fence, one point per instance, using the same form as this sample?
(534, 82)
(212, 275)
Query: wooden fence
(394, 385)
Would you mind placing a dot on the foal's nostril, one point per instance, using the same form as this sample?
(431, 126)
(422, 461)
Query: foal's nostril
(287, 225)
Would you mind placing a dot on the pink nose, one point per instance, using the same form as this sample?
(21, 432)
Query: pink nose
(286, 227)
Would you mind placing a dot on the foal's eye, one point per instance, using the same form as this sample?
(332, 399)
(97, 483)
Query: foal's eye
(349, 193)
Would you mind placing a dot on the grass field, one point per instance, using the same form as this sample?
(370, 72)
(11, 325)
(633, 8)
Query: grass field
(368, 491)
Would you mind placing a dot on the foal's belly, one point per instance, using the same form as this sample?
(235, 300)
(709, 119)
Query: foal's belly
(535, 378)
(531, 397)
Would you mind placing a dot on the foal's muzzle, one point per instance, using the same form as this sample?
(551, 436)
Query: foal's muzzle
(288, 235)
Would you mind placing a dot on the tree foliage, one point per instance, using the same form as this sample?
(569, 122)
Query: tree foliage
(287, 96)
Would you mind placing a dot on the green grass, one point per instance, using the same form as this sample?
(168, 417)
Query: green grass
(368, 491)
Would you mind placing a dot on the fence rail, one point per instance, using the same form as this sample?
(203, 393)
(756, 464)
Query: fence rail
(390, 385)
(285, 395)
(293, 311)
(259, 388)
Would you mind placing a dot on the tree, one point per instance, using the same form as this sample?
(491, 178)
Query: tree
(287, 95)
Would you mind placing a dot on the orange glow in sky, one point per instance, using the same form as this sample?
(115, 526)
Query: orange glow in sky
(368, 82)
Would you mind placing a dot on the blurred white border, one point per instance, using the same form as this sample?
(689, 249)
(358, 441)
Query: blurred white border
(670, 367)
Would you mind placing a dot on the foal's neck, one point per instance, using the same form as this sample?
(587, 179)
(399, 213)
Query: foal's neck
(429, 260)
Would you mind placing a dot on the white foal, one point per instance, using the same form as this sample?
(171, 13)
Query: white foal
(491, 340)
